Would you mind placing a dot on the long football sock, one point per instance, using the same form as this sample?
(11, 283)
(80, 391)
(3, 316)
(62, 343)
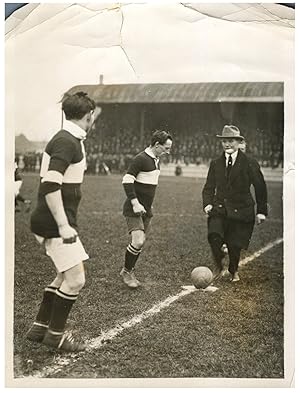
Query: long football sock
(60, 311)
(131, 257)
(44, 313)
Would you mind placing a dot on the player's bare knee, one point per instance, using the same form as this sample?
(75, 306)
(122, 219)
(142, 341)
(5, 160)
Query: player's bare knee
(76, 283)
(76, 286)
(138, 245)
(139, 241)
(57, 281)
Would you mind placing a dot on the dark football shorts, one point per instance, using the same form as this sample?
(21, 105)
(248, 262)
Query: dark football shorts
(138, 223)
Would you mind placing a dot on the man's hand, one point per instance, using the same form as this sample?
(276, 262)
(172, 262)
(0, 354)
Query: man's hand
(137, 207)
(207, 209)
(260, 218)
(67, 233)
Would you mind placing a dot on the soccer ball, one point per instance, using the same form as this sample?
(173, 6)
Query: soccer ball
(201, 277)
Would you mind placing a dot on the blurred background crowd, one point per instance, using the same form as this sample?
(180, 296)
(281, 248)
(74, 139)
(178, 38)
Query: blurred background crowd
(113, 153)
(126, 123)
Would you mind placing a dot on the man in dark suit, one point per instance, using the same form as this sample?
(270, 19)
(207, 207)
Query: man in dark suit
(228, 202)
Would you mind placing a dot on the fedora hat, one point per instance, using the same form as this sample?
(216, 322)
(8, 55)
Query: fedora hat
(231, 132)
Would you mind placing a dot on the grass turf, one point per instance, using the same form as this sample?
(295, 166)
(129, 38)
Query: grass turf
(236, 332)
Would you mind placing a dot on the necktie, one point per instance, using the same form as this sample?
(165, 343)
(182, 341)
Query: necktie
(229, 165)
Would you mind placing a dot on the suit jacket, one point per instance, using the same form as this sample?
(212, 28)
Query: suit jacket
(232, 196)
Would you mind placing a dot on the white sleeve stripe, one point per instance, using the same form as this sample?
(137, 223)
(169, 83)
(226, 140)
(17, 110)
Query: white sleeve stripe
(53, 176)
(128, 178)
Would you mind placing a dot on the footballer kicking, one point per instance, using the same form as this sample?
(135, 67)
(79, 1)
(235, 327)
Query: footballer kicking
(140, 184)
(54, 222)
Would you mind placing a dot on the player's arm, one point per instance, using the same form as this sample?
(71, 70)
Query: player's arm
(260, 188)
(55, 204)
(128, 185)
(18, 184)
(51, 188)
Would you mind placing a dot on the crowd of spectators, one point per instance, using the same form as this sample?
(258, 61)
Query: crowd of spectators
(113, 153)
(29, 161)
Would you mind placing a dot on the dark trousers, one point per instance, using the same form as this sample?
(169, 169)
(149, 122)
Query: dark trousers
(234, 258)
(216, 241)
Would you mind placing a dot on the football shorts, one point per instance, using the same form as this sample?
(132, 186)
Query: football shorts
(64, 255)
(138, 223)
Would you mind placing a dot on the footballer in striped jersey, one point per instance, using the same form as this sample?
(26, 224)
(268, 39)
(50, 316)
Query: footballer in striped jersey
(54, 222)
(140, 184)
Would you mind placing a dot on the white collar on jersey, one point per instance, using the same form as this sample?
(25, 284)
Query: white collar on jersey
(150, 153)
(74, 129)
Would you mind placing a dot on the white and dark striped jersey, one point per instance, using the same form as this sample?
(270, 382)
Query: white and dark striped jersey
(63, 165)
(141, 181)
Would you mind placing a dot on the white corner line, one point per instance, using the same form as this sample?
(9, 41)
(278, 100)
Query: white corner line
(105, 337)
(258, 253)
(112, 333)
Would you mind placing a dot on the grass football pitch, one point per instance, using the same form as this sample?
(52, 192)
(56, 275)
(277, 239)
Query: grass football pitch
(235, 332)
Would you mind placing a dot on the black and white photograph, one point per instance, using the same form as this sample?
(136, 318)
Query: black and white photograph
(150, 223)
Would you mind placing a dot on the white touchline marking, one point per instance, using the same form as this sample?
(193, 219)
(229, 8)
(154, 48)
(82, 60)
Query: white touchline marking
(110, 334)
(260, 252)
(95, 343)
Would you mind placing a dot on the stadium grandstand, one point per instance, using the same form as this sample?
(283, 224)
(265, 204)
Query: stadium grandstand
(193, 113)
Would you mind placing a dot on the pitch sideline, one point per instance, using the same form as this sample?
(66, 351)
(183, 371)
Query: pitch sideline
(94, 344)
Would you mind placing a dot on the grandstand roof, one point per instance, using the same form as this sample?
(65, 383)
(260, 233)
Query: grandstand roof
(140, 43)
(184, 92)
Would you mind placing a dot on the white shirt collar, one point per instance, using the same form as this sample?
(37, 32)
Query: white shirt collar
(74, 129)
(150, 153)
(233, 155)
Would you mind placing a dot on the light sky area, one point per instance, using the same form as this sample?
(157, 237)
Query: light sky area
(51, 47)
